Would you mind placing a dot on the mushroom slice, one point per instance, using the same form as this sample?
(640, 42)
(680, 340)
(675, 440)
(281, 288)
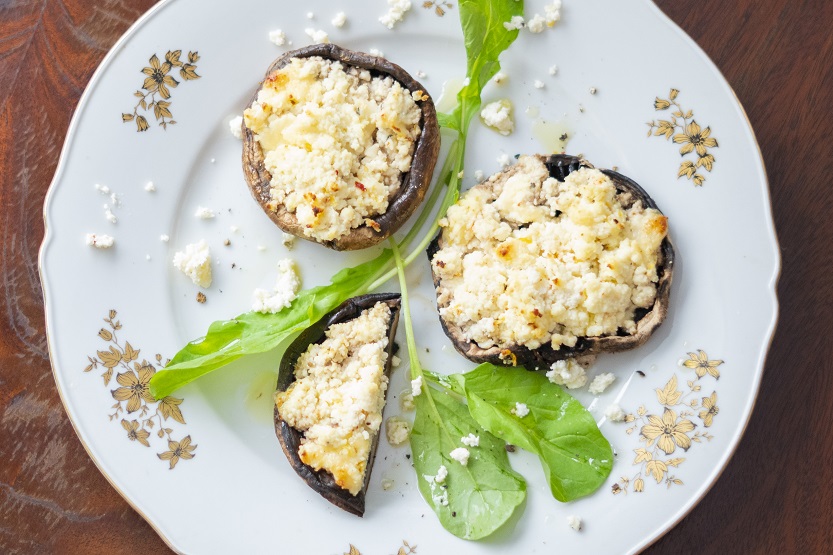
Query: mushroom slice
(534, 265)
(339, 146)
(330, 395)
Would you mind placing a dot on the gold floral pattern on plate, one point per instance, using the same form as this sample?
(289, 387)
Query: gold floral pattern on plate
(156, 89)
(682, 129)
(143, 418)
(671, 430)
(440, 6)
(405, 549)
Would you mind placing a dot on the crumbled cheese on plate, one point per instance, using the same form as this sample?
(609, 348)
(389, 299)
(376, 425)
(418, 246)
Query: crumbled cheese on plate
(339, 20)
(614, 413)
(574, 522)
(568, 373)
(600, 383)
(278, 37)
(498, 116)
(317, 35)
(99, 241)
(283, 293)
(204, 213)
(396, 11)
(195, 262)
(397, 430)
(235, 126)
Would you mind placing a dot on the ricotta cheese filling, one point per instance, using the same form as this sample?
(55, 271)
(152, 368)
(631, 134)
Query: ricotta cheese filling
(528, 260)
(336, 141)
(338, 395)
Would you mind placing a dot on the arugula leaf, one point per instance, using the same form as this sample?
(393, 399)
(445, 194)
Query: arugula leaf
(474, 500)
(486, 38)
(577, 458)
(253, 332)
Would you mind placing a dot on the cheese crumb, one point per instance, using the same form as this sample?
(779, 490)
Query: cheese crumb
(600, 383)
(416, 386)
(461, 455)
(234, 228)
(406, 401)
(278, 37)
(288, 240)
(520, 410)
(500, 78)
(99, 241)
(517, 22)
(396, 11)
(395, 361)
(538, 84)
(387, 485)
(574, 522)
(442, 474)
(568, 373)
(498, 116)
(614, 413)
(552, 13)
(103, 189)
(310, 15)
(503, 160)
(164, 238)
(421, 74)
(338, 395)
(204, 213)
(470, 440)
(537, 24)
(339, 20)
(150, 187)
(553, 70)
(441, 499)
(478, 176)
(283, 293)
(397, 430)
(195, 262)
(317, 35)
(236, 127)
(109, 215)
(376, 52)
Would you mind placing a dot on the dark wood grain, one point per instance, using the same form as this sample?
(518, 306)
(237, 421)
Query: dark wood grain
(774, 497)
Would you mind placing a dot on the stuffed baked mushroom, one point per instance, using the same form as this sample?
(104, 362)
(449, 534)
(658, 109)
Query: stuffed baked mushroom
(330, 395)
(339, 146)
(551, 259)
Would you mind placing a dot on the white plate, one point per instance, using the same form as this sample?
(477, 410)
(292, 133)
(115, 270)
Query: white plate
(237, 493)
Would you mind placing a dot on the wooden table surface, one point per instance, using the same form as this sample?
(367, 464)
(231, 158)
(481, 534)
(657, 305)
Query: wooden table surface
(776, 494)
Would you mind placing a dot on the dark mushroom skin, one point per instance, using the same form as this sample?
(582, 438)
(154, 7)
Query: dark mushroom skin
(320, 480)
(414, 183)
(628, 192)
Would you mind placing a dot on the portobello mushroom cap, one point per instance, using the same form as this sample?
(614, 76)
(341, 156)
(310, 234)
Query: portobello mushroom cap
(414, 183)
(586, 348)
(290, 439)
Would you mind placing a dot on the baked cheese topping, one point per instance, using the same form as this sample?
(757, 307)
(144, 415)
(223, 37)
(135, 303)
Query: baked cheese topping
(336, 141)
(338, 394)
(528, 260)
